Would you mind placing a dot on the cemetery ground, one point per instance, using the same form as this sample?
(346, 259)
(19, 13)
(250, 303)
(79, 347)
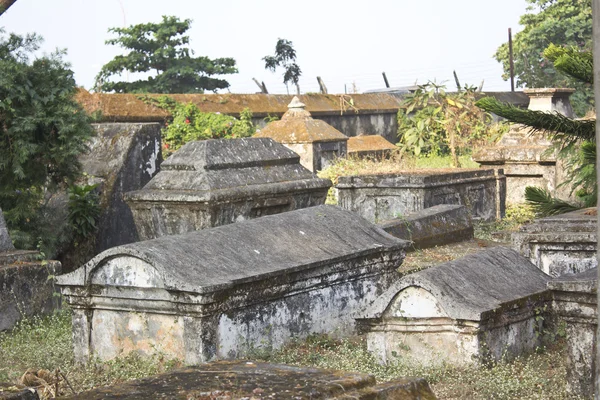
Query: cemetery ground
(46, 343)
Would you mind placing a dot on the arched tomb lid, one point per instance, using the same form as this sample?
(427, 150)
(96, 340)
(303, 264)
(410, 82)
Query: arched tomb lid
(470, 286)
(298, 126)
(213, 259)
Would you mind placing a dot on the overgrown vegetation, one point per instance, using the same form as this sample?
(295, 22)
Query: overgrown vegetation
(434, 122)
(46, 344)
(188, 123)
(537, 376)
(43, 130)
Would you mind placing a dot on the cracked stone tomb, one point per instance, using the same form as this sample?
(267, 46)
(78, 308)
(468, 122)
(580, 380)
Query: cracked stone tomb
(221, 292)
(216, 182)
(482, 305)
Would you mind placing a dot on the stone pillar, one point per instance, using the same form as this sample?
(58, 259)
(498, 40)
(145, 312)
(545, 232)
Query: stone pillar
(525, 156)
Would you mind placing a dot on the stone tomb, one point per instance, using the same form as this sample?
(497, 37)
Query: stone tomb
(370, 146)
(527, 158)
(575, 303)
(433, 226)
(317, 142)
(216, 182)
(25, 287)
(220, 292)
(479, 306)
(249, 380)
(560, 244)
(384, 197)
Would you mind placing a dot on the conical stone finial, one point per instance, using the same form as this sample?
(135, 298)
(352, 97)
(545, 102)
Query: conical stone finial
(297, 104)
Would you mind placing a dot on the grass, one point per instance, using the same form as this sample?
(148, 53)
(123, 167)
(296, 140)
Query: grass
(536, 376)
(45, 343)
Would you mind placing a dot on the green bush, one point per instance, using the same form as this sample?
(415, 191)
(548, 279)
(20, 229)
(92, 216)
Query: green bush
(43, 130)
(187, 123)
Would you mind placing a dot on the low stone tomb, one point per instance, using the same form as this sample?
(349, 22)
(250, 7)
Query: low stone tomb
(482, 305)
(370, 146)
(317, 142)
(216, 182)
(250, 380)
(560, 244)
(433, 226)
(26, 287)
(575, 303)
(384, 197)
(220, 292)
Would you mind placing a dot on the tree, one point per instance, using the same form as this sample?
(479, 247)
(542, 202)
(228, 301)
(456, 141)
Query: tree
(562, 22)
(161, 48)
(43, 130)
(285, 57)
(5, 5)
(576, 138)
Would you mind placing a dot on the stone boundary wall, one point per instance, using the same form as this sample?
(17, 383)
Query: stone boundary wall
(374, 113)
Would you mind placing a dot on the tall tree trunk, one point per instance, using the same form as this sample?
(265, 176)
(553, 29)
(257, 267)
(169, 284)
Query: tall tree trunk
(298, 89)
(5, 5)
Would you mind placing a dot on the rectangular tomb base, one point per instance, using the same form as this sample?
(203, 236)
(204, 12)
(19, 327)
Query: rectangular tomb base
(385, 197)
(575, 303)
(225, 291)
(560, 244)
(241, 379)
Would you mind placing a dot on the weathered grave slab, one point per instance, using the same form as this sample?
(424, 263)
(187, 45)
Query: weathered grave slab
(317, 142)
(216, 182)
(5, 241)
(524, 156)
(220, 292)
(560, 244)
(482, 305)
(246, 380)
(575, 303)
(383, 197)
(123, 157)
(432, 226)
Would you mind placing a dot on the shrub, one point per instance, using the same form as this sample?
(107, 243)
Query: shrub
(42, 132)
(187, 123)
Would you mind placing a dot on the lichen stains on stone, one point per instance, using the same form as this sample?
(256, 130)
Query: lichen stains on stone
(369, 143)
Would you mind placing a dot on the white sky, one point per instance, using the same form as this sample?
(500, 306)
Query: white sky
(344, 42)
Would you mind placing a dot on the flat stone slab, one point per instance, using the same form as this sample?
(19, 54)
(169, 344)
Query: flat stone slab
(433, 226)
(249, 380)
(5, 241)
